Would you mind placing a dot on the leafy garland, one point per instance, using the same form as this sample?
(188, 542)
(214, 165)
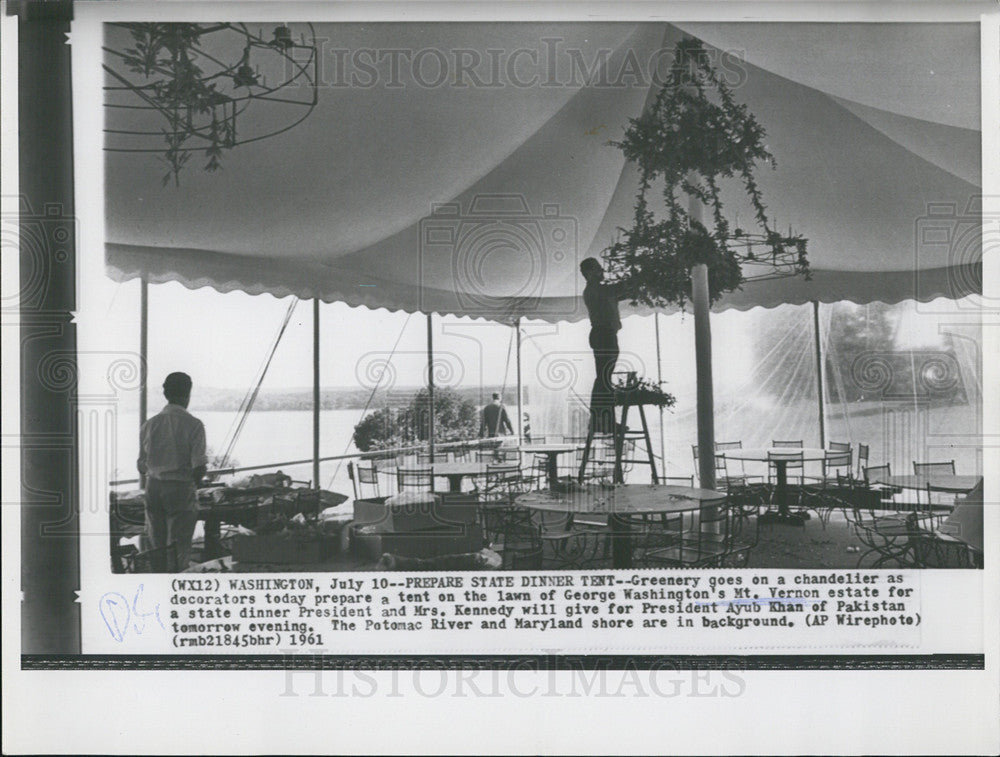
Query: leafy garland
(169, 50)
(642, 391)
(688, 141)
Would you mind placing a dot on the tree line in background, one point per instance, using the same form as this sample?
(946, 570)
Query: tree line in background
(456, 418)
(864, 364)
(339, 398)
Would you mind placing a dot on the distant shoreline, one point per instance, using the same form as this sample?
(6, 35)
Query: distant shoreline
(345, 398)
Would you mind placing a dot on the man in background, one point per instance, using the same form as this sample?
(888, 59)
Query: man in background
(495, 420)
(605, 323)
(172, 457)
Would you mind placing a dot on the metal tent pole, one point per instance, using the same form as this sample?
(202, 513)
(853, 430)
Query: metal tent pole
(143, 362)
(520, 407)
(316, 403)
(703, 365)
(659, 378)
(819, 375)
(701, 305)
(430, 385)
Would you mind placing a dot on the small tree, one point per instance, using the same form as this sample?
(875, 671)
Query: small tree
(379, 429)
(455, 419)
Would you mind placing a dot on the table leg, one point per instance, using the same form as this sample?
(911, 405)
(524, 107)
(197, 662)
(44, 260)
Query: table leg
(213, 538)
(781, 498)
(781, 487)
(621, 542)
(553, 469)
(455, 483)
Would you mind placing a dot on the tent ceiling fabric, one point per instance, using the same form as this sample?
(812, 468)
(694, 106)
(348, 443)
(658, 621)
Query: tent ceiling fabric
(481, 200)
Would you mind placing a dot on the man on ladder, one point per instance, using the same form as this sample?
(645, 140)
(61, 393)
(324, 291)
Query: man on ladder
(605, 323)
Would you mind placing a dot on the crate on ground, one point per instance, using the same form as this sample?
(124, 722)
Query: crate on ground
(368, 542)
(284, 547)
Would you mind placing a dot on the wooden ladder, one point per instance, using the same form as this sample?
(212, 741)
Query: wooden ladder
(621, 434)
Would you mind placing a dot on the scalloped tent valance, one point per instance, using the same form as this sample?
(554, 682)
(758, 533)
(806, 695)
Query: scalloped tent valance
(481, 200)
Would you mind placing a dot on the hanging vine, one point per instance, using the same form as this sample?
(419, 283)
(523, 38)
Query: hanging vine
(694, 133)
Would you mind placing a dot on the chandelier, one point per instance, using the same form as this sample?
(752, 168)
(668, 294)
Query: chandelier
(183, 90)
(770, 256)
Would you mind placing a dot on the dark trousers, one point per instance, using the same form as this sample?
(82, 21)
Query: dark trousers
(604, 343)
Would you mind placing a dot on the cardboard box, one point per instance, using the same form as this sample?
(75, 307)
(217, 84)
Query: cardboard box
(283, 548)
(371, 544)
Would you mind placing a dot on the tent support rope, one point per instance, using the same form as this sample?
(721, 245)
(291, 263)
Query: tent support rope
(249, 401)
(316, 402)
(659, 379)
(430, 386)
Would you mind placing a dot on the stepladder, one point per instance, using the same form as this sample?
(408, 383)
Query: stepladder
(623, 437)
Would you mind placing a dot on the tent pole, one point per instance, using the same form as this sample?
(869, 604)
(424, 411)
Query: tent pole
(819, 374)
(703, 366)
(316, 404)
(701, 305)
(659, 379)
(520, 407)
(430, 386)
(143, 361)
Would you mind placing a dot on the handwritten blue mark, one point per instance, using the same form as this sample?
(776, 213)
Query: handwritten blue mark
(118, 613)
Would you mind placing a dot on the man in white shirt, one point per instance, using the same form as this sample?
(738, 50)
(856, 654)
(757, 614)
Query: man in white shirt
(172, 457)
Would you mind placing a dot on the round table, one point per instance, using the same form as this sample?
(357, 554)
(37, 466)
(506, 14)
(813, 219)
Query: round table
(942, 482)
(618, 502)
(780, 457)
(552, 452)
(454, 471)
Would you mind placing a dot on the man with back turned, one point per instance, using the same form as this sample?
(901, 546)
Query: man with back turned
(172, 457)
(494, 419)
(605, 323)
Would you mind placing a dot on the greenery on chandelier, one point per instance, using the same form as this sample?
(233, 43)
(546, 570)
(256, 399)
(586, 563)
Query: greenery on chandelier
(691, 136)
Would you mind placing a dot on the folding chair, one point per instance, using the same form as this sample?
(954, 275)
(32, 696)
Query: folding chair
(874, 473)
(932, 469)
(863, 451)
(816, 495)
(426, 458)
(886, 534)
(501, 481)
(421, 479)
(722, 466)
(511, 532)
(715, 539)
(367, 475)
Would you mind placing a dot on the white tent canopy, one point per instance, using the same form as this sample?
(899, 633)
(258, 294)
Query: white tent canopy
(871, 126)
